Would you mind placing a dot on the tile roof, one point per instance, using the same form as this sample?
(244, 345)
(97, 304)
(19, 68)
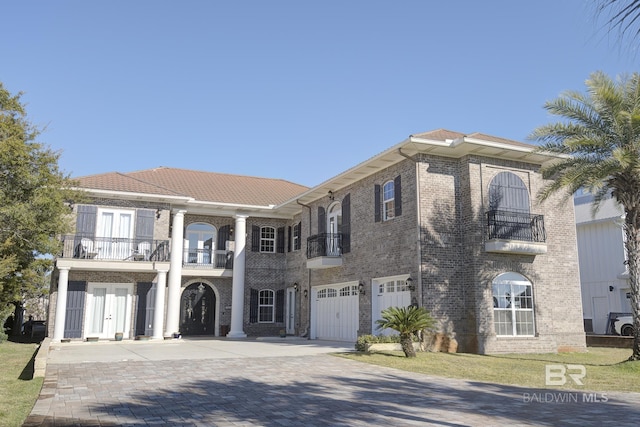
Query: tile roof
(202, 186)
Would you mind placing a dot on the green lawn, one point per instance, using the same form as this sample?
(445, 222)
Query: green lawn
(18, 392)
(606, 368)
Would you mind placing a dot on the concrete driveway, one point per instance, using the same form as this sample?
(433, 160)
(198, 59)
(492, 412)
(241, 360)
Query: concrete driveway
(287, 383)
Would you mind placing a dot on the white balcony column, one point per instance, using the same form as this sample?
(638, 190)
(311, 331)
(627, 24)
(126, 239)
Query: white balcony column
(175, 273)
(237, 290)
(158, 309)
(61, 304)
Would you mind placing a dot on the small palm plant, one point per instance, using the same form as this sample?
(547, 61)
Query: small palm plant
(408, 321)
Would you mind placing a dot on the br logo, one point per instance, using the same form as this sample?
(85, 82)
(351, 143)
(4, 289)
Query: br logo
(557, 374)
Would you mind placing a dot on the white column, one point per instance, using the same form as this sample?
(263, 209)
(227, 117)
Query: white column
(237, 295)
(158, 309)
(175, 273)
(61, 304)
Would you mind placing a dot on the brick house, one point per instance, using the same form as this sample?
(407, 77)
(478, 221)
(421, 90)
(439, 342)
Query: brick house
(444, 220)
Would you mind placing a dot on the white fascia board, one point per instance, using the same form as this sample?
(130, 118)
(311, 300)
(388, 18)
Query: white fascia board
(503, 146)
(437, 143)
(135, 196)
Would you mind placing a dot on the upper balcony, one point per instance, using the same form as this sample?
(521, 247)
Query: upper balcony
(515, 233)
(324, 250)
(207, 259)
(114, 249)
(107, 253)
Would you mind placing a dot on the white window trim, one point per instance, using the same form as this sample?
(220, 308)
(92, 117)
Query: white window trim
(513, 309)
(272, 306)
(388, 204)
(265, 239)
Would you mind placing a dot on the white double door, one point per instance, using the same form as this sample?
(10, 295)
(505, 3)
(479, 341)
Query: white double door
(108, 310)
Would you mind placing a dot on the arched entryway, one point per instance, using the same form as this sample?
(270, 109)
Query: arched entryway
(197, 310)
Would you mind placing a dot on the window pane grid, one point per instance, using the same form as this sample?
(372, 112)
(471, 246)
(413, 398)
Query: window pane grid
(265, 306)
(267, 239)
(388, 201)
(513, 309)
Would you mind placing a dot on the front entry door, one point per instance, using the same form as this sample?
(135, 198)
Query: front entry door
(291, 311)
(197, 310)
(109, 310)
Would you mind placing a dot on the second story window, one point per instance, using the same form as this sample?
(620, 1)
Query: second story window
(267, 239)
(388, 201)
(296, 237)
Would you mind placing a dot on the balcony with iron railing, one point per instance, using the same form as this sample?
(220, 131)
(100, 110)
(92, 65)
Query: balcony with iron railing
(324, 250)
(207, 259)
(515, 232)
(114, 248)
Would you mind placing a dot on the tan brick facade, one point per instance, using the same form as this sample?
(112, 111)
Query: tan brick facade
(438, 240)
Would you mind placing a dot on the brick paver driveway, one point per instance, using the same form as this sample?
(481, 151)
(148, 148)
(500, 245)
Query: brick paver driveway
(301, 390)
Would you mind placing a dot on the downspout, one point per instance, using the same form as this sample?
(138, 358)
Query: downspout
(308, 333)
(418, 213)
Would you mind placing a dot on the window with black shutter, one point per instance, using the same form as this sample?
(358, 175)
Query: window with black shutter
(346, 224)
(289, 239)
(377, 203)
(280, 306)
(253, 306)
(322, 220)
(280, 240)
(255, 238)
(397, 183)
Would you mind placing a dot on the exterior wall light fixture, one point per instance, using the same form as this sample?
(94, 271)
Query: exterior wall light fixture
(361, 290)
(409, 283)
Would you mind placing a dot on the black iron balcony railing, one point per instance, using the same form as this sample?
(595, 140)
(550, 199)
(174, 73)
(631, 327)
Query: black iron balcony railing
(516, 226)
(324, 244)
(207, 258)
(114, 248)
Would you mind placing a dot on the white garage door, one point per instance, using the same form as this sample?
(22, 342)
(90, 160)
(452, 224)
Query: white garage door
(388, 293)
(335, 312)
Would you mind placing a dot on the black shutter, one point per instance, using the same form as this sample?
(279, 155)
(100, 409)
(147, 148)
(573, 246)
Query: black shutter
(346, 224)
(377, 202)
(145, 219)
(397, 195)
(86, 221)
(255, 238)
(298, 228)
(280, 240)
(143, 304)
(509, 193)
(322, 220)
(253, 306)
(76, 292)
(280, 306)
(289, 239)
(224, 234)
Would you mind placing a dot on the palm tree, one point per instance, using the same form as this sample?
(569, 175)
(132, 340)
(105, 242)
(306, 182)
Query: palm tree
(624, 15)
(598, 144)
(408, 321)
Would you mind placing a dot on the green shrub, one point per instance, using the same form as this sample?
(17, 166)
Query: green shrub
(363, 340)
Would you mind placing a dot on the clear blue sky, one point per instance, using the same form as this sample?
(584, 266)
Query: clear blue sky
(298, 90)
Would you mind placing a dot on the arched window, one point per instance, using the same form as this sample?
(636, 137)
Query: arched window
(507, 192)
(513, 305)
(334, 228)
(200, 243)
